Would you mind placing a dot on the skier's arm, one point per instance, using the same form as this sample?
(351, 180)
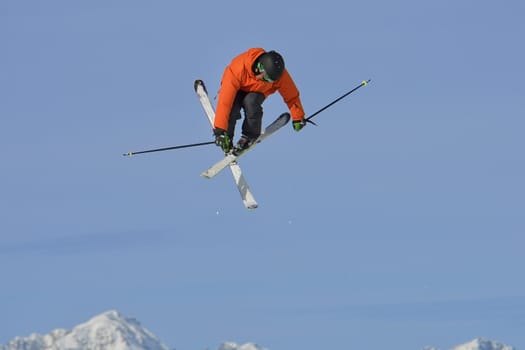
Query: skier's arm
(227, 93)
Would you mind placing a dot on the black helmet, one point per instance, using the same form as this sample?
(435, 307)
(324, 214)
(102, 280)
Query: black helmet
(273, 64)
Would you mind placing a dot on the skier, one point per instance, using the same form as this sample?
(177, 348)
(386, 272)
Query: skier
(249, 79)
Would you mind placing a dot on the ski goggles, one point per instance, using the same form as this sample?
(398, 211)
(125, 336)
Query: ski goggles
(265, 76)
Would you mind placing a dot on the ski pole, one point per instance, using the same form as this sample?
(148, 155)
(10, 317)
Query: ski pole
(169, 148)
(364, 83)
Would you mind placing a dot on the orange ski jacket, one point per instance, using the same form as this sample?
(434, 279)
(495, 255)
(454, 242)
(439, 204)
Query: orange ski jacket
(238, 76)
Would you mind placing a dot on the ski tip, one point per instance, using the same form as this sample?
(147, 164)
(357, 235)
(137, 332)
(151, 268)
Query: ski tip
(198, 83)
(129, 154)
(206, 175)
(366, 82)
(285, 116)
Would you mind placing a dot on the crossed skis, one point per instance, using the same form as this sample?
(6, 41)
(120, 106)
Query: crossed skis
(230, 159)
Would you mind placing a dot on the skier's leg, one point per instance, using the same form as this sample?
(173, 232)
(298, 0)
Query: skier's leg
(235, 113)
(253, 113)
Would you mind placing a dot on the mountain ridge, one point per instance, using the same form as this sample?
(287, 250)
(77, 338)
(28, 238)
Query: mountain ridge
(112, 331)
(483, 344)
(109, 330)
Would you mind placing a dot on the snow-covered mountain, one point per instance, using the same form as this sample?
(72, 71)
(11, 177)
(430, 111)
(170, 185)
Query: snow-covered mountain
(107, 331)
(483, 344)
(234, 346)
(112, 331)
(479, 344)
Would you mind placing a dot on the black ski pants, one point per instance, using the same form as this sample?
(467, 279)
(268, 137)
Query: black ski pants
(251, 103)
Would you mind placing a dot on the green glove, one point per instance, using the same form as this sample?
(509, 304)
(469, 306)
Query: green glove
(222, 140)
(298, 124)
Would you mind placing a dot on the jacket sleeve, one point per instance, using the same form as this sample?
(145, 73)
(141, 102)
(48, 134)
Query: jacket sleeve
(229, 87)
(290, 95)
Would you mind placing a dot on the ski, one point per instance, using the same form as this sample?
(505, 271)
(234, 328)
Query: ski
(232, 157)
(244, 190)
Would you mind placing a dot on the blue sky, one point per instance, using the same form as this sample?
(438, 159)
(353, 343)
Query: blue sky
(397, 222)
